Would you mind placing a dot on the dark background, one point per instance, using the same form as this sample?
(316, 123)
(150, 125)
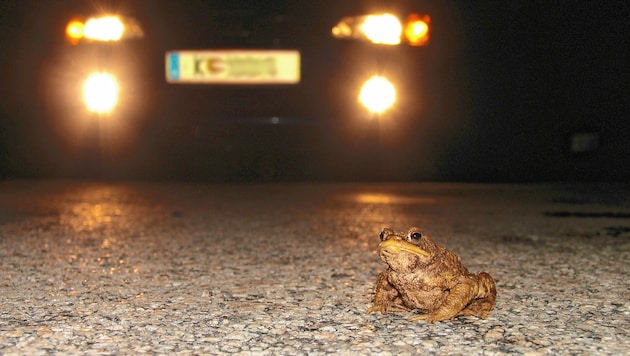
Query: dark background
(512, 80)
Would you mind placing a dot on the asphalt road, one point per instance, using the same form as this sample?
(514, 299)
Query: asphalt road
(167, 268)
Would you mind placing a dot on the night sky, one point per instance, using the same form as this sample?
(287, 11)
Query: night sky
(510, 85)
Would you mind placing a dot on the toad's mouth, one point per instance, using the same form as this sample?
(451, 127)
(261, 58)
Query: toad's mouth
(391, 247)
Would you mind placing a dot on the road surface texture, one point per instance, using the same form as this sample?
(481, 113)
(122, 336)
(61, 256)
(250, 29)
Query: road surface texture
(174, 268)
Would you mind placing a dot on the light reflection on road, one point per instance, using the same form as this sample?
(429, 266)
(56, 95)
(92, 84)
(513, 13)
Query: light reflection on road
(90, 207)
(384, 198)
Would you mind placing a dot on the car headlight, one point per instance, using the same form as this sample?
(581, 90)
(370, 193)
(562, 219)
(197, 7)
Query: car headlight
(106, 28)
(377, 94)
(385, 29)
(382, 29)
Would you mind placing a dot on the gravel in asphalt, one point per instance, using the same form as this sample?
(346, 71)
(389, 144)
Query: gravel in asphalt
(185, 268)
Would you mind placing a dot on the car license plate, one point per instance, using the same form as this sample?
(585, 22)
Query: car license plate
(248, 67)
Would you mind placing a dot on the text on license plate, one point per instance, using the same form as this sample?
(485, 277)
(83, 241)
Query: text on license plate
(233, 67)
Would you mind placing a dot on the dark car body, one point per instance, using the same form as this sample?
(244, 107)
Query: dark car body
(314, 129)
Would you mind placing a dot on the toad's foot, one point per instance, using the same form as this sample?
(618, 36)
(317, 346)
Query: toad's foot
(430, 317)
(384, 308)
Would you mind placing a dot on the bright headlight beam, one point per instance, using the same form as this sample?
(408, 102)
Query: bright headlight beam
(382, 29)
(107, 28)
(100, 92)
(377, 94)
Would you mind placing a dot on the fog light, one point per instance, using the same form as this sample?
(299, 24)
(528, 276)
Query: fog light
(377, 94)
(100, 92)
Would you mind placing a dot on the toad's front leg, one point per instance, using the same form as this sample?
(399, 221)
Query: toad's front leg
(386, 298)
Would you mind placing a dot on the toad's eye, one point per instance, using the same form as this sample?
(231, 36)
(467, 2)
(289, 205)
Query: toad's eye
(382, 235)
(415, 235)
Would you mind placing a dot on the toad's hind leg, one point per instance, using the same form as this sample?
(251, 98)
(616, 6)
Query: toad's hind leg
(486, 296)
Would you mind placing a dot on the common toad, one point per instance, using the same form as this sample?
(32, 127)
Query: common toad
(423, 275)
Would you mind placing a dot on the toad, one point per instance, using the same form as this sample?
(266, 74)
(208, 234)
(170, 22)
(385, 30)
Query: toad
(425, 276)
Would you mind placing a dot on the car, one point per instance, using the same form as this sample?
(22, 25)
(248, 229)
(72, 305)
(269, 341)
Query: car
(232, 90)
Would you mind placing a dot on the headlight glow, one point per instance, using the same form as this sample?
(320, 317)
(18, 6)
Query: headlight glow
(100, 92)
(382, 29)
(377, 94)
(385, 29)
(107, 28)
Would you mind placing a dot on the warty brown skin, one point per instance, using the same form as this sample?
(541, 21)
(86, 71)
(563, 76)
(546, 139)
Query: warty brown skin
(425, 276)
